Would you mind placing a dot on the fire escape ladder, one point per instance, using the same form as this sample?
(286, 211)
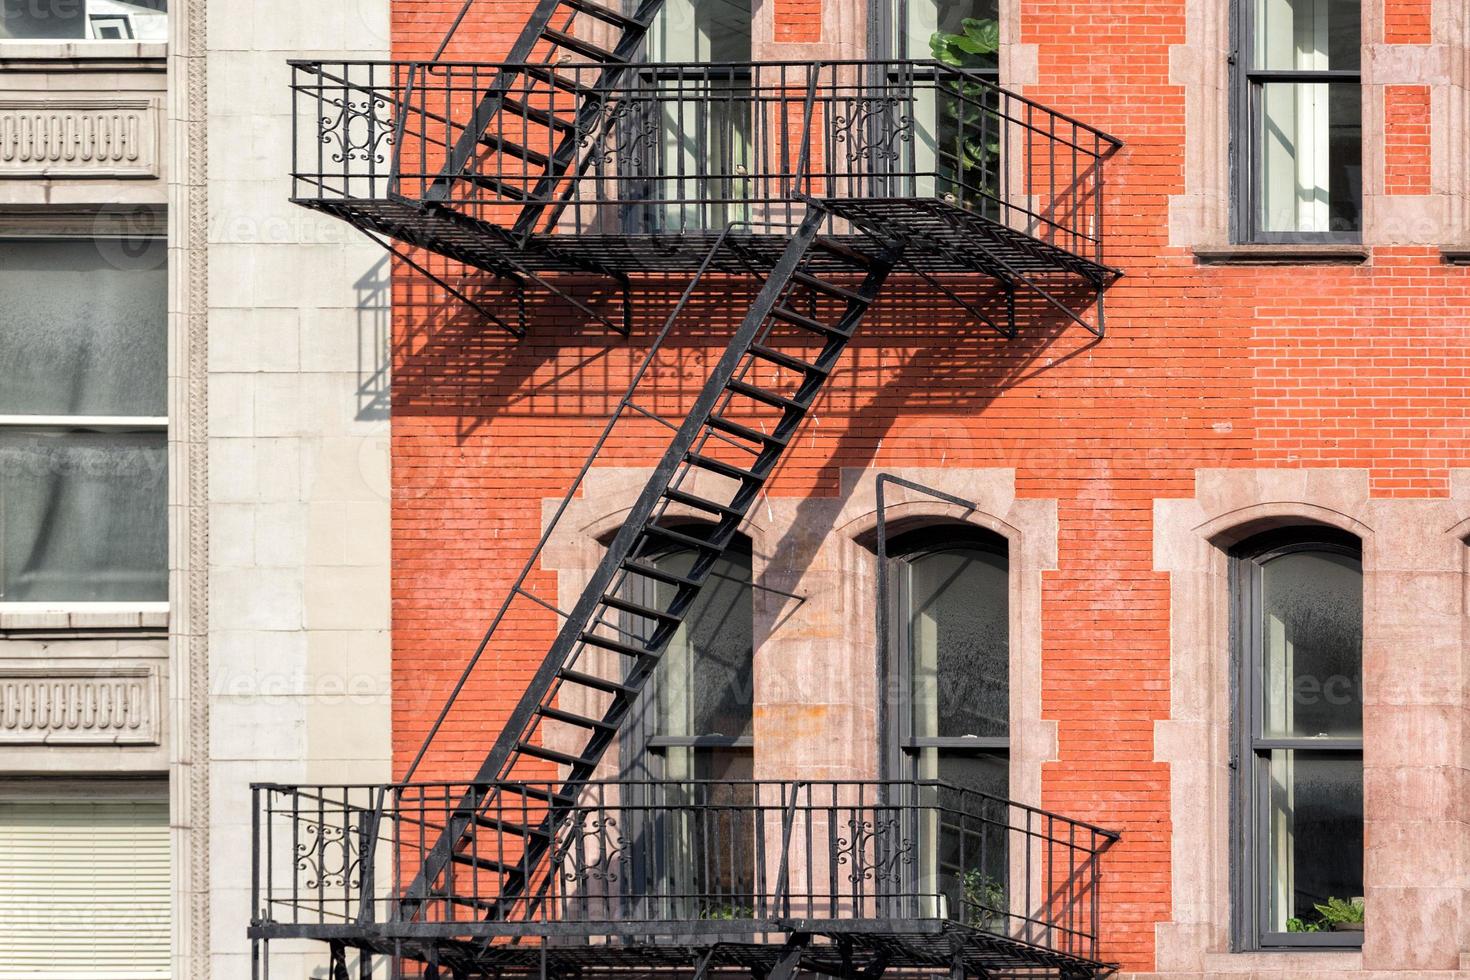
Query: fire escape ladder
(719, 461)
(545, 101)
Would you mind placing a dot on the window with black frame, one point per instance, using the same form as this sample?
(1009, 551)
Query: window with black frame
(1298, 143)
(957, 130)
(952, 667)
(695, 176)
(1299, 740)
(691, 734)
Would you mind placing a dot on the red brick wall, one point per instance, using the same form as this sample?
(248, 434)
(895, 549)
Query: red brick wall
(1406, 139)
(1407, 21)
(1203, 367)
(798, 20)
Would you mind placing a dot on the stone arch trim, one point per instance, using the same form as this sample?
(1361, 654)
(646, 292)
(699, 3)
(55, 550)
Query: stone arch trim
(1029, 528)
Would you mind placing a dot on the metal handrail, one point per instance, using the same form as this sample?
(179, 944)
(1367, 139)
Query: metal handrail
(673, 147)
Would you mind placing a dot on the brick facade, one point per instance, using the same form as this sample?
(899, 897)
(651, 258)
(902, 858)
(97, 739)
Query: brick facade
(1205, 367)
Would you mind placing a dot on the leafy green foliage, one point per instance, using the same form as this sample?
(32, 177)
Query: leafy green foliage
(1336, 910)
(1330, 913)
(985, 898)
(971, 48)
(970, 137)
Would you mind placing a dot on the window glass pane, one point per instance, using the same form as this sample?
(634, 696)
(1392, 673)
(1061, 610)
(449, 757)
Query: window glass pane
(1308, 35)
(1314, 838)
(1311, 636)
(705, 118)
(83, 329)
(971, 854)
(110, 20)
(964, 33)
(958, 624)
(703, 682)
(701, 31)
(83, 515)
(1310, 141)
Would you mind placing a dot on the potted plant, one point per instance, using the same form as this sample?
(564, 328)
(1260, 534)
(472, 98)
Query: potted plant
(986, 904)
(1333, 915)
(1341, 914)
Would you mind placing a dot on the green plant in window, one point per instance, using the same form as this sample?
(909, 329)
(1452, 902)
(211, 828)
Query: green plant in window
(969, 138)
(1343, 911)
(985, 900)
(973, 47)
(1331, 914)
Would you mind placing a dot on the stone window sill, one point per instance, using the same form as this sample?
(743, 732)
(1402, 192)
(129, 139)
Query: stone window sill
(75, 617)
(82, 51)
(1281, 254)
(1286, 962)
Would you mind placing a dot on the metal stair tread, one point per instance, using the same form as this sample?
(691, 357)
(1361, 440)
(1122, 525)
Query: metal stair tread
(734, 428)
(544, 117)
(573, 43)
(606, 14)
(701, 503)
(563, 81)
(766, 395)
(551, 755)
(639, 609)
(679, 537)
(807, 323)
(661, 574)
(592, 681)
(830, 288)
(504, 145)
(786, 360)
(615, 646)
(721, 467)
(572, 718)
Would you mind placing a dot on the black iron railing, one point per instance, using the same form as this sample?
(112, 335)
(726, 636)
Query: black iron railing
(672, 858)
(673, 148)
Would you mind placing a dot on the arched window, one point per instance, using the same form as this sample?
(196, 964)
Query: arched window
(1299, 736)
(949, 662)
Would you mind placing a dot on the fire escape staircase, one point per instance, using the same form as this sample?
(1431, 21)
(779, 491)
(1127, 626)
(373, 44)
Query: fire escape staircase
(506, 177)
(768, 377)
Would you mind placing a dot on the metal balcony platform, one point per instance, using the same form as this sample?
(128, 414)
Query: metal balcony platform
(943, 239)
(848, 879)
(531, 171)
(841, 953)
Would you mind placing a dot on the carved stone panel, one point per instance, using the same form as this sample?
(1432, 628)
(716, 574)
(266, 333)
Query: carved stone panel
(80, 136)
(80, 705)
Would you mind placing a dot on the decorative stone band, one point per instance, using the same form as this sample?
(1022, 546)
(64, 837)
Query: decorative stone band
(55, 705)
(91, 136)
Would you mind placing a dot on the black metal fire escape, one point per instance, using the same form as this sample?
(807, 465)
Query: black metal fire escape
(840, 175)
